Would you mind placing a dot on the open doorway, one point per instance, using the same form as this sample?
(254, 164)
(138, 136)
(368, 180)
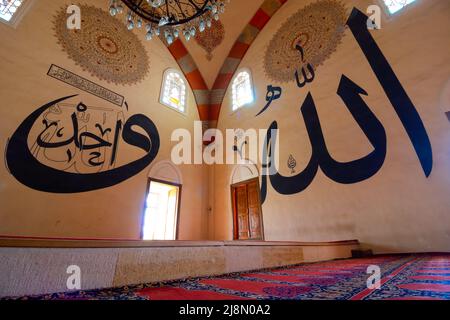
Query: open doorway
(247, 211)
(161, 213)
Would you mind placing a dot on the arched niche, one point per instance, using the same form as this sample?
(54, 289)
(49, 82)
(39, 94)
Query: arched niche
(166, 171)
(244, 172)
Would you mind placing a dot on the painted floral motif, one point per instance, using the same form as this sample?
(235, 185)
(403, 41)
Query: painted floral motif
(103, 46)
(211, 38)
(310, 36)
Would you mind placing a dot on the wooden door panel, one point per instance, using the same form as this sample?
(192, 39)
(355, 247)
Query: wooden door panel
(255, 225)
(244, 232)
(247, 211)
(243, 218)
(254, 209)
(253, 195)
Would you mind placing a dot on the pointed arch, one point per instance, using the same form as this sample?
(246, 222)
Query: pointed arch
(209, 102)
(166, 171)
(244, 172)
(237, 53)
(192, 75)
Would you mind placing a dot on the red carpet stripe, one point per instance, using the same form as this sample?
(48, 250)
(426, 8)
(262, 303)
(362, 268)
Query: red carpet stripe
(282, 278)
(431, 278)
(260, 288)
(426, 287)
(434, 271)
(168, 293)
(367, 292)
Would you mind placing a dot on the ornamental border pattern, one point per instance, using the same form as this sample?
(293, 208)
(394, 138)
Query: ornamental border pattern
(83, 84)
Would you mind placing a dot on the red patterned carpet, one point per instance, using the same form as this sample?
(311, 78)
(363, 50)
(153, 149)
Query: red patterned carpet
(404, 277)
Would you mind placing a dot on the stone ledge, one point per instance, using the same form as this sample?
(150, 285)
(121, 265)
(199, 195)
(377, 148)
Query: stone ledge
(19, 242)
(28, 269)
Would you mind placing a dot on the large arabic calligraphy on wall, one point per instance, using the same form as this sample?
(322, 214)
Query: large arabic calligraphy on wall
(66, 146)
(351, 94)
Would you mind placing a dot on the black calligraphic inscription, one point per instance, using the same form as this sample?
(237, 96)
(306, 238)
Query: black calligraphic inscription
(397, 95)
(301, 51)
(273, 93)
(366, 167)
(310, 68)
(240, 149)
(27, 169)
(85, 85)
(306, 78)
(95, 156)
(116, 141)
(341, 172)
(284, 185)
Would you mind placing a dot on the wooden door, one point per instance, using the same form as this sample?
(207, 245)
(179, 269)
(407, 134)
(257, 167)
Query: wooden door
(247, 211)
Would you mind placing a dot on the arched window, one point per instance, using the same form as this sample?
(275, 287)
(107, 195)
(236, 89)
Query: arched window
(173, 93)
(397, 5)
(242, 89)
(11, 11)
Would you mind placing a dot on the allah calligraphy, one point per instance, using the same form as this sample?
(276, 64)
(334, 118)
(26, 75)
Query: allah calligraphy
(66, 146)
(309, 69)
(360, 169)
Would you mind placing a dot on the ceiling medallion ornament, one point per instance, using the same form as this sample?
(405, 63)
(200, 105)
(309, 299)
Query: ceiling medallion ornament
(169, 18)
(103, 46)
(211, 38)
(306, 40)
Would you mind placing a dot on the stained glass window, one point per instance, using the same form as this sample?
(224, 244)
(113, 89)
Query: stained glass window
(242, 90)
(396, 5)
(174, 91)
(8, 8)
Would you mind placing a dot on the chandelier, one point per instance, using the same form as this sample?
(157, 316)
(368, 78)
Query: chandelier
(171, 18)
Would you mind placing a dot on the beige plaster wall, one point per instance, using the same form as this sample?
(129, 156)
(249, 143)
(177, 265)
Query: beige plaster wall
(26, 55)
(397, 210)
